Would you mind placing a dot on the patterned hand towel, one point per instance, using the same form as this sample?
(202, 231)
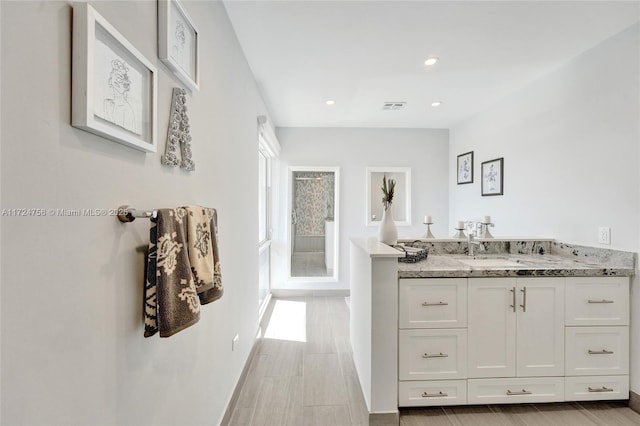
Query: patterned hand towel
(177, 303)
(183, 269)
(150, 285)
(202, 236)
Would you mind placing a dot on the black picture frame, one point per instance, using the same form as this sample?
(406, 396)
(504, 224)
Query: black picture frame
(492, 175)
(465, 168)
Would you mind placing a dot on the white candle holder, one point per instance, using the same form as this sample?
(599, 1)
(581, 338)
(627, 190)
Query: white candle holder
(428, 234)
(485, 230)
(460, 233)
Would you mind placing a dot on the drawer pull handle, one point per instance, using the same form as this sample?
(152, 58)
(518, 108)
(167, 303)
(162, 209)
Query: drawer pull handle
(522, 392)
(600, 301)
(434, 395)
(440, 355)
(434, 304)
(602, 389)
(513, 295)
(602, 352)
(524, 299)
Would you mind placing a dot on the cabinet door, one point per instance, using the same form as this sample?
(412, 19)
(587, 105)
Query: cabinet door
(491, 327)
(540, 329)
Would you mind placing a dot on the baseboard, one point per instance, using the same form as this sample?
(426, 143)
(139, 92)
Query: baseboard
(283, 293)
(384, 419)
(634, 401)
(264, 308)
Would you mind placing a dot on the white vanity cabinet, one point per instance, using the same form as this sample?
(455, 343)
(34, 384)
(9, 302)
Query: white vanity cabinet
(523, 339)
(516, 327)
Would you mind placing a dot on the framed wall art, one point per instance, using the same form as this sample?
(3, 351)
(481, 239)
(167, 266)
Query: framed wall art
(178, 42)
(401, 200)
(114, 86)
(465, 168)
(493, 177)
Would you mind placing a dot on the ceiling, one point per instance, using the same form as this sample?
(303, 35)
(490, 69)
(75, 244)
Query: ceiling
(362, 54)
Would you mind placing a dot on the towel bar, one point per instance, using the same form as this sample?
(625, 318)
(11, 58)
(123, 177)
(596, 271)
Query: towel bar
(129, 214)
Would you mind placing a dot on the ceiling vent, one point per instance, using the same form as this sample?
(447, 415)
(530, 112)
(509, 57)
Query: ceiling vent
(393, 106)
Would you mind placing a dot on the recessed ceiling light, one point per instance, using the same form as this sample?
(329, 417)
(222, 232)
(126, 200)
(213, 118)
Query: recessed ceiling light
(431, 61)
(330, 102)
(436, 104)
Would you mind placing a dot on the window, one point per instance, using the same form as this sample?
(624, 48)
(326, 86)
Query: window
(268, 149)
(263, 198)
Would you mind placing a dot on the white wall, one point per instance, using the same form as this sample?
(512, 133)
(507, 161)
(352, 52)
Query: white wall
(73, 350)
(353, 150)
(571, 143)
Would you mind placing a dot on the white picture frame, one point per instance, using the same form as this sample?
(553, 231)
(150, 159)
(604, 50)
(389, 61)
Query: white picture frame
(114, 87)
(402, 198)
(178, 42)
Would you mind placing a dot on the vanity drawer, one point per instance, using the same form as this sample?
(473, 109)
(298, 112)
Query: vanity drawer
(435, 392)
(432, 354)
(433, 303)
(594, 351)
(518, 390)
(597, 301)
(596, 388)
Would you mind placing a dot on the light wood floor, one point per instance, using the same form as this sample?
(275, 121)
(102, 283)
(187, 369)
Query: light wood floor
(308, 264)
(303, 374)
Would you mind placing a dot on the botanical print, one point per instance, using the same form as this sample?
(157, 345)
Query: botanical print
(492, 179)
(118, 87)
(465, 168)
(182, 40)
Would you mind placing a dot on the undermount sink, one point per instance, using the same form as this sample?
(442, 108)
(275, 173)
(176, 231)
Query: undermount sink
(491, 263)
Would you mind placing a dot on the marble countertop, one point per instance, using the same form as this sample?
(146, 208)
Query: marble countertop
(510, 265)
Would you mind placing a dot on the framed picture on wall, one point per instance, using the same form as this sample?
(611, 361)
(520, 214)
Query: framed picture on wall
(178, 42)
(401, 201)
(493, 177)
(465, 168)
(114, 86)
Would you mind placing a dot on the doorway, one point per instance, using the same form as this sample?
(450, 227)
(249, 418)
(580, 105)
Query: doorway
(313, 223)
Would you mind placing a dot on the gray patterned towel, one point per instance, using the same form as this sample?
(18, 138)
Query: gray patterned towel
(183, 269)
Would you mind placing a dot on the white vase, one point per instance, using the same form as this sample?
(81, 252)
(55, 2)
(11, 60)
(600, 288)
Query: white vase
(388, 232)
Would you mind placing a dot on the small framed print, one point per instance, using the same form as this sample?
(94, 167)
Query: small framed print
(114, 87)
(178, 42)
(493, 177)
(465, 168)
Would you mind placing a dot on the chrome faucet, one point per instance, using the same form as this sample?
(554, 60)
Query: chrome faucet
(471, 243)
